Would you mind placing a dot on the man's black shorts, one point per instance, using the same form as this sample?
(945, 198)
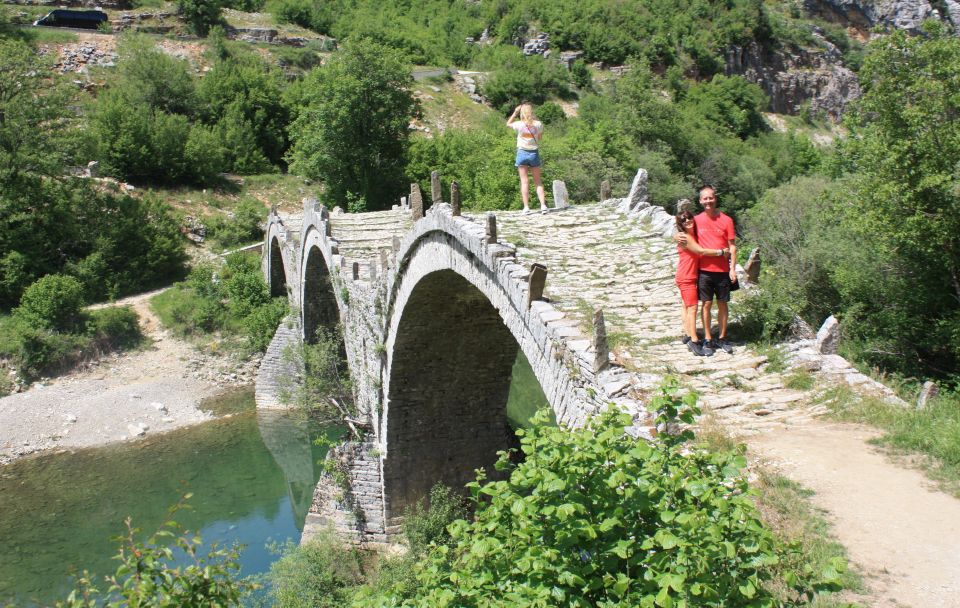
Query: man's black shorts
(710, 284)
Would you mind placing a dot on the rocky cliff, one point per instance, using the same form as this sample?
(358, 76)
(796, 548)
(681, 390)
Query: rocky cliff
(900, 14)
(792, 78)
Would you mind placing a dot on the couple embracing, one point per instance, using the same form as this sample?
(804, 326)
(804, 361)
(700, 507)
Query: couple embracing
(708, 251)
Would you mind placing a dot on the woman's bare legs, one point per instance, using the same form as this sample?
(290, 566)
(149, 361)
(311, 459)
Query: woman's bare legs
(524, 186)
(541, 195)
(690, 321)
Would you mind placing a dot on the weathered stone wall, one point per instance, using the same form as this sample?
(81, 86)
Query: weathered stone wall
(278, 373)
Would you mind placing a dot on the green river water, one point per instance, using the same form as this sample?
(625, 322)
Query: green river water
(251, 474)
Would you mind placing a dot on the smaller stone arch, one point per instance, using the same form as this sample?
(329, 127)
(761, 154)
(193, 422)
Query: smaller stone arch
(278, 271)
(318, 302)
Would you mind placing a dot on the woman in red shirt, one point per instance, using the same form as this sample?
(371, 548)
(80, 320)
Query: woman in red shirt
(687, 270)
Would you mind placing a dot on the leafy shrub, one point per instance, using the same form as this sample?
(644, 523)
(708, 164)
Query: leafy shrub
(262, 322)
(521, 79)
(318, 574)
(52, 226)
(551, 113)
(53, 302)
(243, 227)
(233, 300)
(593, 517)
(581, 76)
(201, 14)
(146, 575)
(424, 526)
(35, 350)
(114, 328)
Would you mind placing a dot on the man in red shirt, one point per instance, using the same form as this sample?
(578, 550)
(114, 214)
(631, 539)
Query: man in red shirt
(715, 230)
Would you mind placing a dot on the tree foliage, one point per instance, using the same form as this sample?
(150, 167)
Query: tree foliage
(33, 116)
(352, 130)
(201, 14)
(593, 517)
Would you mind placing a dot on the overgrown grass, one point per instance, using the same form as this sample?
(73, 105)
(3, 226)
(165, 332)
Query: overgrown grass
(50, 35)
(932, 433)
(787, 509)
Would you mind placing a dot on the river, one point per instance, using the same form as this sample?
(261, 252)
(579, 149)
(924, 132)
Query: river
(251, 475)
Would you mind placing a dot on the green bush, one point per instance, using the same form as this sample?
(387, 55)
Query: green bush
(593, 517)
(551, 113)
(424, 526)
(201, 14)
(114, 328)
(245, 226)
(147, 575)
(318, 574)
(53, 302)
(233, 300)
(520, 79)
(35, 350)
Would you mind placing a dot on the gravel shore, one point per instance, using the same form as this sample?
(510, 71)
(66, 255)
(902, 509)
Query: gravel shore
(120, 398)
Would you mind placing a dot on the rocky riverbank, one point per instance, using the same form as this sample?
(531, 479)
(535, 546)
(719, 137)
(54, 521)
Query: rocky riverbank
(120, 398)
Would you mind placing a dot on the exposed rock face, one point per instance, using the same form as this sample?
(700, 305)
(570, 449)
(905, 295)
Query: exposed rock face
(792, 79)
(866, 14)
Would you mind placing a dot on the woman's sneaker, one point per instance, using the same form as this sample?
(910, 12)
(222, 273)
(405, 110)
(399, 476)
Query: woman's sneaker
(723, 344)
(695, 347)
(705, 348)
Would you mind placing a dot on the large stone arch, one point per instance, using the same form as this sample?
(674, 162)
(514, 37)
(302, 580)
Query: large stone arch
(449, 380)
(457, 314)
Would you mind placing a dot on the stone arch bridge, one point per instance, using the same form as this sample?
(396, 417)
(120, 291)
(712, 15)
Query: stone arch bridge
(436, 305)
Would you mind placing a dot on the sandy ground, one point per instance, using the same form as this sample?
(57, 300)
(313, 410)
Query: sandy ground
(900, 532)
(156, 389)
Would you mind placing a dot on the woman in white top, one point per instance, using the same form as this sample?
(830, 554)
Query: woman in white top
(529, 132)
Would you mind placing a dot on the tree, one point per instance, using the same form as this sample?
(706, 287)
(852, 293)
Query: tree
(201, 15)
(352, 131)
(904, 201)
(53, 302)
(32, 114)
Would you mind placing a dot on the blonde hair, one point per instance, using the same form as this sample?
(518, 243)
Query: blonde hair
(527, 115)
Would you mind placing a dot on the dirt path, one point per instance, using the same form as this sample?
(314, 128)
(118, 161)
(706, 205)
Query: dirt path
(902, 534)
(155, 389)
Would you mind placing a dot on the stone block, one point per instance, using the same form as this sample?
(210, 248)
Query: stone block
(929, 391)
(605, 192)
(436, 193)
(638, 190)
(560, 196)
(455, 198)
(828, 336)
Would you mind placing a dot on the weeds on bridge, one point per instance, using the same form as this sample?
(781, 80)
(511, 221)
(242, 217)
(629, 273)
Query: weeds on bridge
(320, 381)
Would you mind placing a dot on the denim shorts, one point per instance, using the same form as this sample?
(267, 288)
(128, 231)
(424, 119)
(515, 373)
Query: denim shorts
(530, 158)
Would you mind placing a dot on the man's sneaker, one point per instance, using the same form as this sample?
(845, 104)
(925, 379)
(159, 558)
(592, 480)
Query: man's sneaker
(705, 348)
(685, 340)
(695, 347)
(723, 344)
